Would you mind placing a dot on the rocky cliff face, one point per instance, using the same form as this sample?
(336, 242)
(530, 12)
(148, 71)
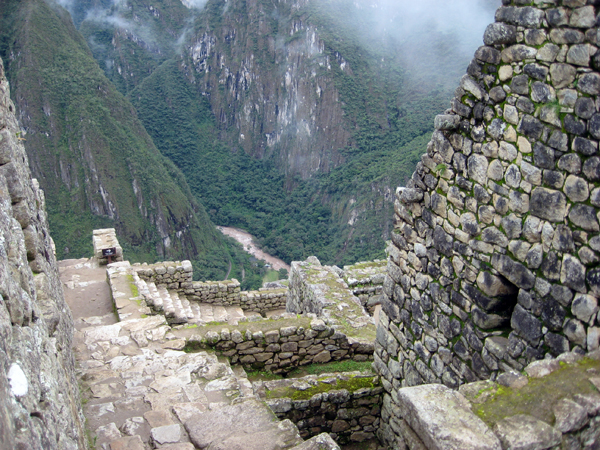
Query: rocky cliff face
(270, 83)
(39, 395)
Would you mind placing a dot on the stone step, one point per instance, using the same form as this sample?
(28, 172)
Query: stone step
(187, 306)
(157, 301)
(243, 425)
(168, 306)
(179, 309)
(180, 314)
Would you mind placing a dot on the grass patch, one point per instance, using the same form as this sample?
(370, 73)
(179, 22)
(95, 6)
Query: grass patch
(351, 384)
(270, 276)
(537, 398)
(262, 375)
(346, 365)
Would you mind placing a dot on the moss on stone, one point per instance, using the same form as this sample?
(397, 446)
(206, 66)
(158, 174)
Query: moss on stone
(537, 398)
(351, 384)
(134, 289)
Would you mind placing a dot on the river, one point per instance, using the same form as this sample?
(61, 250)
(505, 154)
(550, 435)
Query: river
(247, 241)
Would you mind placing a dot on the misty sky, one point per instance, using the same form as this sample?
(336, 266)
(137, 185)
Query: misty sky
(464, 20)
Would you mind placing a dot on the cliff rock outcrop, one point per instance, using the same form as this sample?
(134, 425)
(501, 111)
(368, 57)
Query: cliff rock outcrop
(39, 395)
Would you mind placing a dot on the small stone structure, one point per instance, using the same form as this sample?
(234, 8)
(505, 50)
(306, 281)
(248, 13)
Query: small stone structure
(282, 345)
(494, 257)
(320, 290)
(178, 276)
(347, 406)
(104, 239)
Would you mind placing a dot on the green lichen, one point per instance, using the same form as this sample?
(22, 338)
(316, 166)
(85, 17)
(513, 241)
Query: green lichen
(538, 397)
(351, 384)
(134, 289)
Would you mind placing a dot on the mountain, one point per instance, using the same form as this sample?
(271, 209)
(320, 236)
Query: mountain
(292, 119)
(306, 116)
(91, 154)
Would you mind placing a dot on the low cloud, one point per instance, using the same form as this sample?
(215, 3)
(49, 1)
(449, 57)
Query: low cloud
(194, 4)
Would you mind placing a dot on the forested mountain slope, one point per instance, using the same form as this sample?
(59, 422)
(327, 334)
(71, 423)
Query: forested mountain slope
(333, 110)
(89, 150)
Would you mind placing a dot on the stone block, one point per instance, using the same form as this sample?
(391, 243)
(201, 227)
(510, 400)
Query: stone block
(526, 432)
(443, 419)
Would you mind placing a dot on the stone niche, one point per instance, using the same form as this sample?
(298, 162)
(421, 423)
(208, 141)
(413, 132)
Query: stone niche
(493, 261)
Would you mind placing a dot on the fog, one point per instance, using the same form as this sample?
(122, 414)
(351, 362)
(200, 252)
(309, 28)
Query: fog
(433, 40)
(464, 20)
(194, 4)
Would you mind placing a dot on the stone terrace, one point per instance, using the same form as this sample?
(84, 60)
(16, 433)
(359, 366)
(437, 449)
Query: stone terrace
(141, 391)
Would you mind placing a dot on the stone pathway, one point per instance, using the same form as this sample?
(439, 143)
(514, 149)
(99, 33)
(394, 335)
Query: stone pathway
(142, 391)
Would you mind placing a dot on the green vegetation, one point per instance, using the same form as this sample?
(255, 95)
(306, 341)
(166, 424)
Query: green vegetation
(87, 147)
(346, 365)
(351, 383)
(271, 275)
(262, 375)
(539, 395)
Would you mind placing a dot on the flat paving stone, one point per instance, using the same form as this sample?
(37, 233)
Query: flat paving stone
(168, 434)
(128, 443)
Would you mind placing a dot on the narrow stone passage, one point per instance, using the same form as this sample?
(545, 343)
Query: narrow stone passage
(142, 391)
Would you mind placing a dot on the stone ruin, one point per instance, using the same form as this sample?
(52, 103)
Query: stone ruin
(493, 263)
(172, 330)
(487, 313)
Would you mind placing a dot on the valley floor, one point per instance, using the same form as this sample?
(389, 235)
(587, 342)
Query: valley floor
(247, 241)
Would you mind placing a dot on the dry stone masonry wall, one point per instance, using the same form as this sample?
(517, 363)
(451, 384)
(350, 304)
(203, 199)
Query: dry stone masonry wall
(179, 275)
(494, 258)
(347, 406)
(365, 279)
(39, 396)
(282, 345)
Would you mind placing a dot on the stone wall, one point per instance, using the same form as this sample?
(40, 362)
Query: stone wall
(39, 395)
(554, 403)
(173, 274)
(279, 346)
(365, 280)
(494, 256)
(178, 276)
(347, 406)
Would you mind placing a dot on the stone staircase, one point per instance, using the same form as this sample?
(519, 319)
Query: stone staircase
(140, 390)
(135, 297)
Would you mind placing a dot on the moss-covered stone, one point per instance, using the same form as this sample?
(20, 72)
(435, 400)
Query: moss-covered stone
(539, 395)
